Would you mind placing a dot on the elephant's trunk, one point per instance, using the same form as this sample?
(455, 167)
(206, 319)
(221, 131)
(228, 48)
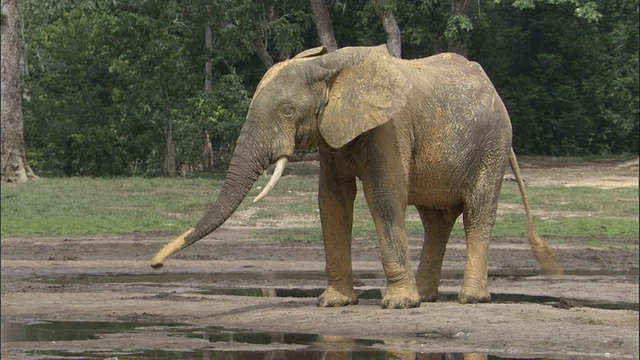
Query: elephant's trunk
(249, 160)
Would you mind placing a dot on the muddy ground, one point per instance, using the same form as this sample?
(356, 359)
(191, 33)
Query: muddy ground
(590, 313)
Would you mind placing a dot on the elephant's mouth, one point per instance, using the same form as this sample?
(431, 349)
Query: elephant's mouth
(281, 164)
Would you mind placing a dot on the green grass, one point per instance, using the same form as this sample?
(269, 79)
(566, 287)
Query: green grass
(571, 211)
(101, 206)
(602, 202)
(76, 206)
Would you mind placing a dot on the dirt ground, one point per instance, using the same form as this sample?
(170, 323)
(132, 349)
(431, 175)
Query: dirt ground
(589, 313)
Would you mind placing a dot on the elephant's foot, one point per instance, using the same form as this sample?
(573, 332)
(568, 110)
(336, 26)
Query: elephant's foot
(428, 294)
(475, 295)
(428, 281)
(334, 298)
(400, 299)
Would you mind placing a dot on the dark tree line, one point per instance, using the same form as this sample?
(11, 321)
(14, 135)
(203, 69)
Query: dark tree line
(153, 87)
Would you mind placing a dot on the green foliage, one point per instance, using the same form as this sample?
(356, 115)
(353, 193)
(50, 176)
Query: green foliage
(237, 25)
(111, 83)
(221, 113)
(583, 10)
(558, 74)
(108, 84)
(103, 81)
(457, 26)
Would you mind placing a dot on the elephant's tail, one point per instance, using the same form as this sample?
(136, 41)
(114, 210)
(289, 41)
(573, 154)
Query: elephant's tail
(541, 250)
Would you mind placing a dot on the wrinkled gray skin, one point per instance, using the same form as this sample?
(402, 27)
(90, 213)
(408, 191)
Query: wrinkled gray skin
(430, 132)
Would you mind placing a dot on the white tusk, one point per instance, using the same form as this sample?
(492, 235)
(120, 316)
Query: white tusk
(277, 173)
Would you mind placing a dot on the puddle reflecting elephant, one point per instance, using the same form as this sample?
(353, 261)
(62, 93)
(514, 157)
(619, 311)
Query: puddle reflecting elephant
(452, 356)
(342, 348)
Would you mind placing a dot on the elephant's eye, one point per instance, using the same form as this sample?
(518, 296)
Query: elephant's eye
(287, 111)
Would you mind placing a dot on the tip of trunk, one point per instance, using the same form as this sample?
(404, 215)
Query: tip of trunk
(169, 249)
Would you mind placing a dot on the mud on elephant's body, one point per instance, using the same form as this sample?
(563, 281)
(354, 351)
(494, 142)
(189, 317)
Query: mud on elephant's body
(430, 132)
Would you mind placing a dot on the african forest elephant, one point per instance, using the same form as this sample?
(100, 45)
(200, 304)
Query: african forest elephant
(429, 132)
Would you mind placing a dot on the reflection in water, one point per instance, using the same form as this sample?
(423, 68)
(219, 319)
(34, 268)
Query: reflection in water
(404, 355)
(268, 355)
(241, 345)
(341, 348)
(344, 355)
(325, 347)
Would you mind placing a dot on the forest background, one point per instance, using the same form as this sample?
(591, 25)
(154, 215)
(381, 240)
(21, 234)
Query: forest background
(156, 87)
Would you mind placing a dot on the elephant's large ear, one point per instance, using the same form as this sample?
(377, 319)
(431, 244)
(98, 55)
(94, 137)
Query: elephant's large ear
(316, 51)
(362, 96)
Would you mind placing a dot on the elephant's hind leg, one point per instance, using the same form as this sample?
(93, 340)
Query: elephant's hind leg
(437, 228)
(336, 214)
(479, 216)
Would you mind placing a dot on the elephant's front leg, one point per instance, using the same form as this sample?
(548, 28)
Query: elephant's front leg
(336, 198)
(386, 197)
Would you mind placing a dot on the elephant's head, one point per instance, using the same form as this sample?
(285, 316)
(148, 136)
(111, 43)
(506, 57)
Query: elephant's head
(315, 99)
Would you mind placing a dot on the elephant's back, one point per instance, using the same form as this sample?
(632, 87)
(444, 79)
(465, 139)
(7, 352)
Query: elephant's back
(448, 74)
(449, 88)
(447, 62)
(459, 123)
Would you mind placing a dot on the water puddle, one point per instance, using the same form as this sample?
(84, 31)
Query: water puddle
(163, 278)
(160, 277)
(221, 343)
(205, 284)
(67, 330)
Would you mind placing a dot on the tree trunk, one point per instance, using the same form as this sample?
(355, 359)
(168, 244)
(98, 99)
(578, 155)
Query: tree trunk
(207, 152)
(170, 158)
(259, 38)
(324, 27)
(14, 160)
(394, 40)
(261, 48)
(207, 164)
(208, 66)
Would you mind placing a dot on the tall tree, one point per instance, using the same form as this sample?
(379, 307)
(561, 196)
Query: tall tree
(394, 40)
(14, 160)
(323, 23)
(263, 18)
(385, 9)
(207, 148)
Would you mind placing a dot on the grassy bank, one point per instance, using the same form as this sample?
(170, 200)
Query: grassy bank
(76, 206)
